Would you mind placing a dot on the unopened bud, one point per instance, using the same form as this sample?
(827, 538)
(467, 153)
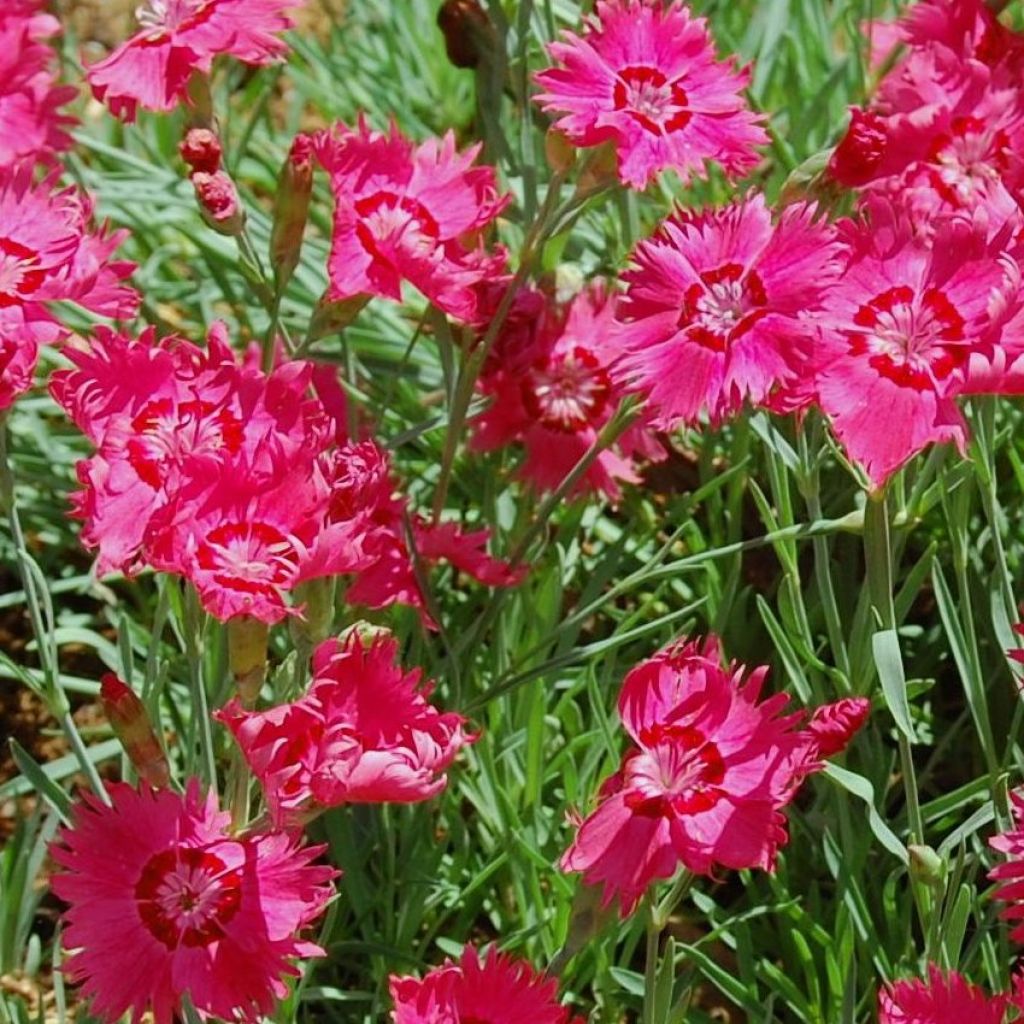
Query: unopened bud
(560, 152)
(130, 721)
(291, 208)
(314, 625)
(600, 169)
(330, 316)
(201, 150)
(218, 200)
(247, 656)
(927, 866)
(861, 150)
(468, 33)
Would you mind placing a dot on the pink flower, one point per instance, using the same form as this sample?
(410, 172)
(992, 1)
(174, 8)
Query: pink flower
(170, 421)
(833, 726)
(362, 482)
(496, 989)
(364, 733)
(409, 213)
(177, 38)
(553, 390)
(1010, 874)
(942, 999)
(50, 251)
(644, 76)
(704, 785)
(719, 307)
(900, 331)
(164, 901)
(32, 127)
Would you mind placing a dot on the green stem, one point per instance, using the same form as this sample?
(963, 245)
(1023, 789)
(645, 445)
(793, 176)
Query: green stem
(878, 556)
(474, 363)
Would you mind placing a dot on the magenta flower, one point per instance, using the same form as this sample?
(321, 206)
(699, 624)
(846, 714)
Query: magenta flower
(945, 998)
(550, 378)
(409, 213)
(719, 307)
(364, 733)
(50, 251)
(178, 38)
(1009, 875)
(900, 331)
(644, 76)
(496, 989)
(32, 126)
(704, 785)
(164, 902)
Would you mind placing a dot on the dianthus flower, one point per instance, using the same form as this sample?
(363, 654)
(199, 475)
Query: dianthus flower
(211, 469)
(50, 251)
(705, 784)
(496, 989)
(409, 213)
(177, 38)
(942, 999)
(644, 76)
(900, 330)
(1010, 874)
(364, 733)
(716, 307)
(164, 902)
(550, 378)
(32, 127)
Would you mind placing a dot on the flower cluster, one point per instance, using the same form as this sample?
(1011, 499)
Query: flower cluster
(230, 477)
(50, 251)
(709, 773)
(32, 125)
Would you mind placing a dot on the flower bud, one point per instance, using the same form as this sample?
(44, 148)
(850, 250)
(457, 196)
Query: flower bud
(560, 152)
(833, 726)
(599, 170)
(247, 656)
(314, 626)
(861, 150)
(201, 150)
(927, 866)
(130, 721)
(218, 200)
(468, 33)
(329, 316)
(291, 208)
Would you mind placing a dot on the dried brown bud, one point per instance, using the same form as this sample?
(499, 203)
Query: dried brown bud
(468, 32)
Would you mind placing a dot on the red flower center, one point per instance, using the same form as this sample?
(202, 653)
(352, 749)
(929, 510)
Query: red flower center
(567, 393)
(20, 274)
(646, 94)
(161, 18)
(726, 304)
(966, 161)
(251, 557)
(401, 221)
(682, 774)
(186, 896)
(166, 432)
(916, 341)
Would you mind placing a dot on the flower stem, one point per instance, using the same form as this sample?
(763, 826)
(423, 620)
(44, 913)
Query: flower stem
(878, 557)
(474, 362)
